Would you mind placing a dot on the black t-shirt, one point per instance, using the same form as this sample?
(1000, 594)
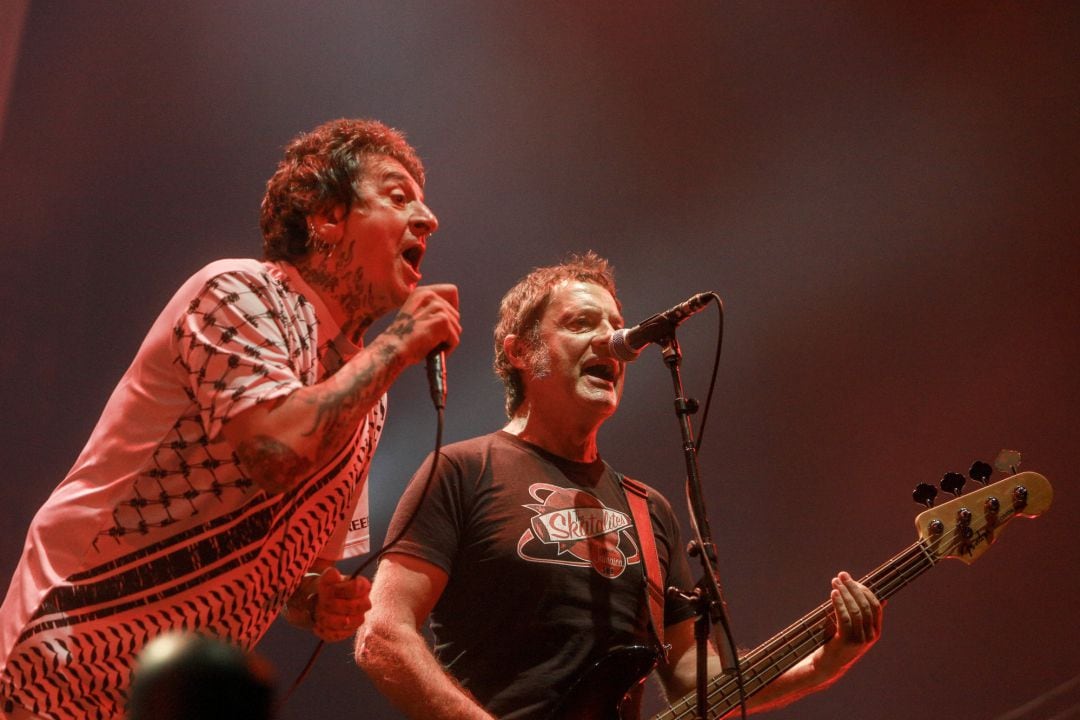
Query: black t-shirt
(544, 564)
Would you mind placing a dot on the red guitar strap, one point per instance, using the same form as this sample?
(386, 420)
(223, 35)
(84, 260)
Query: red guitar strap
(637, 495)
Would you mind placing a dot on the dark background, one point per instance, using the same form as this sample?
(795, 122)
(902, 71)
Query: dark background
(884, 194)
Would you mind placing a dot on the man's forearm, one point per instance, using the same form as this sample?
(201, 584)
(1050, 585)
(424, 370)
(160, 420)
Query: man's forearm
(283, 443)
(401, 666)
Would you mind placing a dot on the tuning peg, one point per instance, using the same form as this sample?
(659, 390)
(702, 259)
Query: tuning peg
(924, 494)
(1007, 461)
(952, 482)
(980, 472)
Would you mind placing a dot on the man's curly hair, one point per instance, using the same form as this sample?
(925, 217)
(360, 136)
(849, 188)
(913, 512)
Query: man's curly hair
(322, 169)
(523, 307)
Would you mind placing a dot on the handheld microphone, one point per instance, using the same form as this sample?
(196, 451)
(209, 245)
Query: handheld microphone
(626, 344)
(436, 376)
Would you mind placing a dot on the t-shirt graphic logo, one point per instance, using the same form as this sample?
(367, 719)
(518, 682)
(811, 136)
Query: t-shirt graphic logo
(579, 528)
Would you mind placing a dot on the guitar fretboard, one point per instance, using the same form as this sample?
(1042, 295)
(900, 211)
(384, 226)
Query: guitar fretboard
(772, 658)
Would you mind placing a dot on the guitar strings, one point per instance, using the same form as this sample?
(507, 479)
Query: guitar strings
(806, 634)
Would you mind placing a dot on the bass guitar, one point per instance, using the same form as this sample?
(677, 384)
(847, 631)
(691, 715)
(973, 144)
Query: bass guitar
(962, 529)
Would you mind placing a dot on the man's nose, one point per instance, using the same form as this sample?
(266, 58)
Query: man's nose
(423, 221)
(601, 342)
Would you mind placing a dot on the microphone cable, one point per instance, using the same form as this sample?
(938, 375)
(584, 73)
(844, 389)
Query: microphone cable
(715, 368)
(439, 399)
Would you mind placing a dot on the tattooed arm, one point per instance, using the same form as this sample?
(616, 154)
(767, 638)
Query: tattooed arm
(280, 442)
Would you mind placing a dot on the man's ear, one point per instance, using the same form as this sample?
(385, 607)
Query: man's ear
(516, 350)
(329, 226)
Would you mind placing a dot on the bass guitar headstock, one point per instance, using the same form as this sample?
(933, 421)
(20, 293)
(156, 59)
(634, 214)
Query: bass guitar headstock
(966, 526)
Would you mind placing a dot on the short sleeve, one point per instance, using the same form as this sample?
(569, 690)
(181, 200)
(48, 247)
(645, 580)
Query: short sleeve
(432, 521)
(674, 560)
(238, 346)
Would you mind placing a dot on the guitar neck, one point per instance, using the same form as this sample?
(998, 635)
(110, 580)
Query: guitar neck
(1025, 494)
(772, 658)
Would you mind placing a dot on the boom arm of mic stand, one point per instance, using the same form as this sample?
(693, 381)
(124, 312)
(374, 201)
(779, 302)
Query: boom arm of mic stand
(711, 606)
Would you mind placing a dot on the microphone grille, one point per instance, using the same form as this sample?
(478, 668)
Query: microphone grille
(619, 347)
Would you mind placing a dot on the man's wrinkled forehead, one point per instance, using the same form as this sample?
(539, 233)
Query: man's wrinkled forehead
(381, 169)
(569, 294)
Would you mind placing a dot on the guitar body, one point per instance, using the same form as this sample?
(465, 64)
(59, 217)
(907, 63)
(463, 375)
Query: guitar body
(610, 689)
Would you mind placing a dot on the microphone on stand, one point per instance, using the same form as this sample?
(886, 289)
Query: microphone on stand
(626, 344)
(436, 376)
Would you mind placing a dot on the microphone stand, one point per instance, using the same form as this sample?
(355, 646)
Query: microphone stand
(706, 597)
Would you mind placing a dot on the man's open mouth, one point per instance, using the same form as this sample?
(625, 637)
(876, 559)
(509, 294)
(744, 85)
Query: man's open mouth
(602, 370)
(413, 256)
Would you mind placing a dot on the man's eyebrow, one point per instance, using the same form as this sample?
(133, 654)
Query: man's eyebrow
(587, 309)
(396, 176)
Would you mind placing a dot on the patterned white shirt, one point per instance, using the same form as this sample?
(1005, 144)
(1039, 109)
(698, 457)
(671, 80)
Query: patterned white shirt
(157, 527)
